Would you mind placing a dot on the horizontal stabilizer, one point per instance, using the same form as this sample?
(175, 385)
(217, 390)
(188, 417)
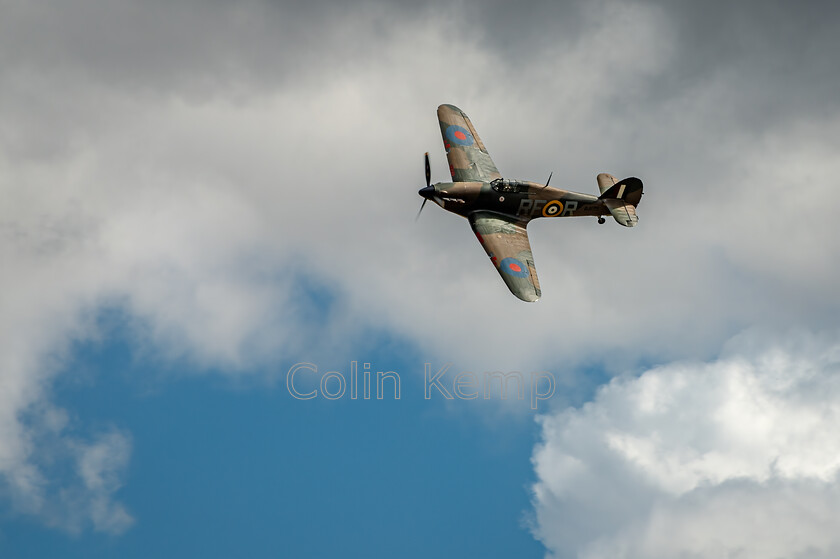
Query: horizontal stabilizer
(624, 213)
(605, 181)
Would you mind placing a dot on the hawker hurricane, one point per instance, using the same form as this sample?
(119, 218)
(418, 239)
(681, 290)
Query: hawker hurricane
(499, 209)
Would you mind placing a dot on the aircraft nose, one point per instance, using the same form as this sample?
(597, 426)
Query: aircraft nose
(427, 192)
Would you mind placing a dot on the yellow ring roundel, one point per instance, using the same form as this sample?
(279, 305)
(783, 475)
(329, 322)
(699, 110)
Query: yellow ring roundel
(553, 209)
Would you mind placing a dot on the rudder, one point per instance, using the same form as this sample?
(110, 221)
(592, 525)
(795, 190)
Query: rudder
(629, 190)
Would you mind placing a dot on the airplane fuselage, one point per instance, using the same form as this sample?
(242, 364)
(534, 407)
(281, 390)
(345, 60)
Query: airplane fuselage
(521, 200)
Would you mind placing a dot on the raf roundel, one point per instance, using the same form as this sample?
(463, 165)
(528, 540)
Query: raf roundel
(513, 267)
(553, 209)
(459, 135)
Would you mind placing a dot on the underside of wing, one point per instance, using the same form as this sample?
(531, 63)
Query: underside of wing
(506, 243)
(468, 158)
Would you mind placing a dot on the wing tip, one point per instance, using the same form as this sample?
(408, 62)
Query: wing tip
(447, 106)
(528, 295)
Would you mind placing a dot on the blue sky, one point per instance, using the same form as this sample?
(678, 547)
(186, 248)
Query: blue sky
(223, 467)
(198, 196)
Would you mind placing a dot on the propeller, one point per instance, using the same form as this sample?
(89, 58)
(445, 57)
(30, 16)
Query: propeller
(428, 191)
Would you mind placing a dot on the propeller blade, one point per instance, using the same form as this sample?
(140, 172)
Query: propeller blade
(429, 191)
(421, 209)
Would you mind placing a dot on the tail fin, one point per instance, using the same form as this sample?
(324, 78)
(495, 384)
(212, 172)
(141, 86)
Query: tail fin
(630, 190)
(621, 197)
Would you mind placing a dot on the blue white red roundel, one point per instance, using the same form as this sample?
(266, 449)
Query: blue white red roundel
(459, 135)
(513, 267)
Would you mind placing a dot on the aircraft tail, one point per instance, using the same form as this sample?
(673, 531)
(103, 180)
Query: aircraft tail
(605, 181)
(621, 197)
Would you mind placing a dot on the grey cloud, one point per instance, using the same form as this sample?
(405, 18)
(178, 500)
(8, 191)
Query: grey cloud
(197, 50)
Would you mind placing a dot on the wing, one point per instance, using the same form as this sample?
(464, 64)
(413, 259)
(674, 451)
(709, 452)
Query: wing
(506, 243)
(468, 158)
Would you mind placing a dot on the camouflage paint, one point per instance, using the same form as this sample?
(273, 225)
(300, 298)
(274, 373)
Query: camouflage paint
(499, 210)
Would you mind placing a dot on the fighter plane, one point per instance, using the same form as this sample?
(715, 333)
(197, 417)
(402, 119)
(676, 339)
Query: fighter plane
(499, 209)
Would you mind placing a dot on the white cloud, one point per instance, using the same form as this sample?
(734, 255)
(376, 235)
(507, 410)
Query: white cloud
(100, 466)
(67, 481)
(738, 457)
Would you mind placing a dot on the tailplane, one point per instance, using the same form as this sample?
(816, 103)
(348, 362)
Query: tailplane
(621, 197)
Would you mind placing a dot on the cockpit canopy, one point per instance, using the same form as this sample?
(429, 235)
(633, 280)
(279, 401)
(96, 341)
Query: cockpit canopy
(504, 185)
